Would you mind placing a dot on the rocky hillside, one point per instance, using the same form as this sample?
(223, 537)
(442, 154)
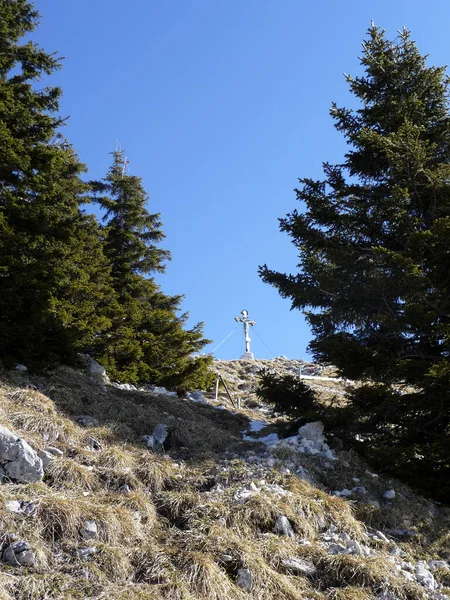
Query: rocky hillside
(112, 492)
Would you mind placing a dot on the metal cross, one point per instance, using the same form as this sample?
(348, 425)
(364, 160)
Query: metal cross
(247, 323)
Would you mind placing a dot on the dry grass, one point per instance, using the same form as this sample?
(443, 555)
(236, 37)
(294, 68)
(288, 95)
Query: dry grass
(162, 533)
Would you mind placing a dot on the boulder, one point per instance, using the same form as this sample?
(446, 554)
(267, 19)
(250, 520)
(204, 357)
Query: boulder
(389, 494)
(18, 459)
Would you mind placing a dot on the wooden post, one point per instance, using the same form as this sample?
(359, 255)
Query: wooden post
(217, 387)
(227, 390)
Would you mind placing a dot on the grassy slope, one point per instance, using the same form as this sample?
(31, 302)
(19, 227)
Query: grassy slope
(167, 538)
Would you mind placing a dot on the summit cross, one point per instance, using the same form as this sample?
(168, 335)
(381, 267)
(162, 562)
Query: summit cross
(247, 323)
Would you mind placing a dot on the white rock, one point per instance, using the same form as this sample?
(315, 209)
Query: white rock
(438, 564)
(354, 547)
(19, 554)
(127, 387)
(21, 368)
(381, 536)
(312, 431)
(149, 440)
(244, 579)
(46, 458)
(253, 459)
(96, 369)
(86, 552)
(345, 493)
(18, 459)
(197, 397)
(160, 433)
(283, 527)
(425, 577)
(89, 531)
(243, 495)
(54, 451)
(160, 391)
(297, 565)
(86, 421)
(21, 507)
(389, 494)
(226, 558)
(14, 506)
(337, 549)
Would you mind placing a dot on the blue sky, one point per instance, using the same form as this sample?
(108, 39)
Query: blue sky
(221, 105)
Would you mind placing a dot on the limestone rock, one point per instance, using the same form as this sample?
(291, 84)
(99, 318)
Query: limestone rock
(226, 558)
(18, 459)
(197, 397)
(84, 553)
(297, 565)
(245, 579)
(86, 421)
(89, 531)
(283, 527)
(96, 370)
(160, 433)
(312, 431)
(46, 458)
(127, 387)
(389, 494)
(54, 451)
(21, 507)
(93, 444)
(425, 577)
(148, 440)
(18, 554)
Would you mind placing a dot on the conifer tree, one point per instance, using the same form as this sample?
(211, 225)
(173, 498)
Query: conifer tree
(53, 274)
(147, 341)
(374, 248)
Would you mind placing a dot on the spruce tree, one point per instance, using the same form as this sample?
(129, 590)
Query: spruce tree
(53, 274)
(147, 342)
(374, 249)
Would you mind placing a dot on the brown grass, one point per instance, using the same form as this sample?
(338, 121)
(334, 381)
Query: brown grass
(165, 536)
